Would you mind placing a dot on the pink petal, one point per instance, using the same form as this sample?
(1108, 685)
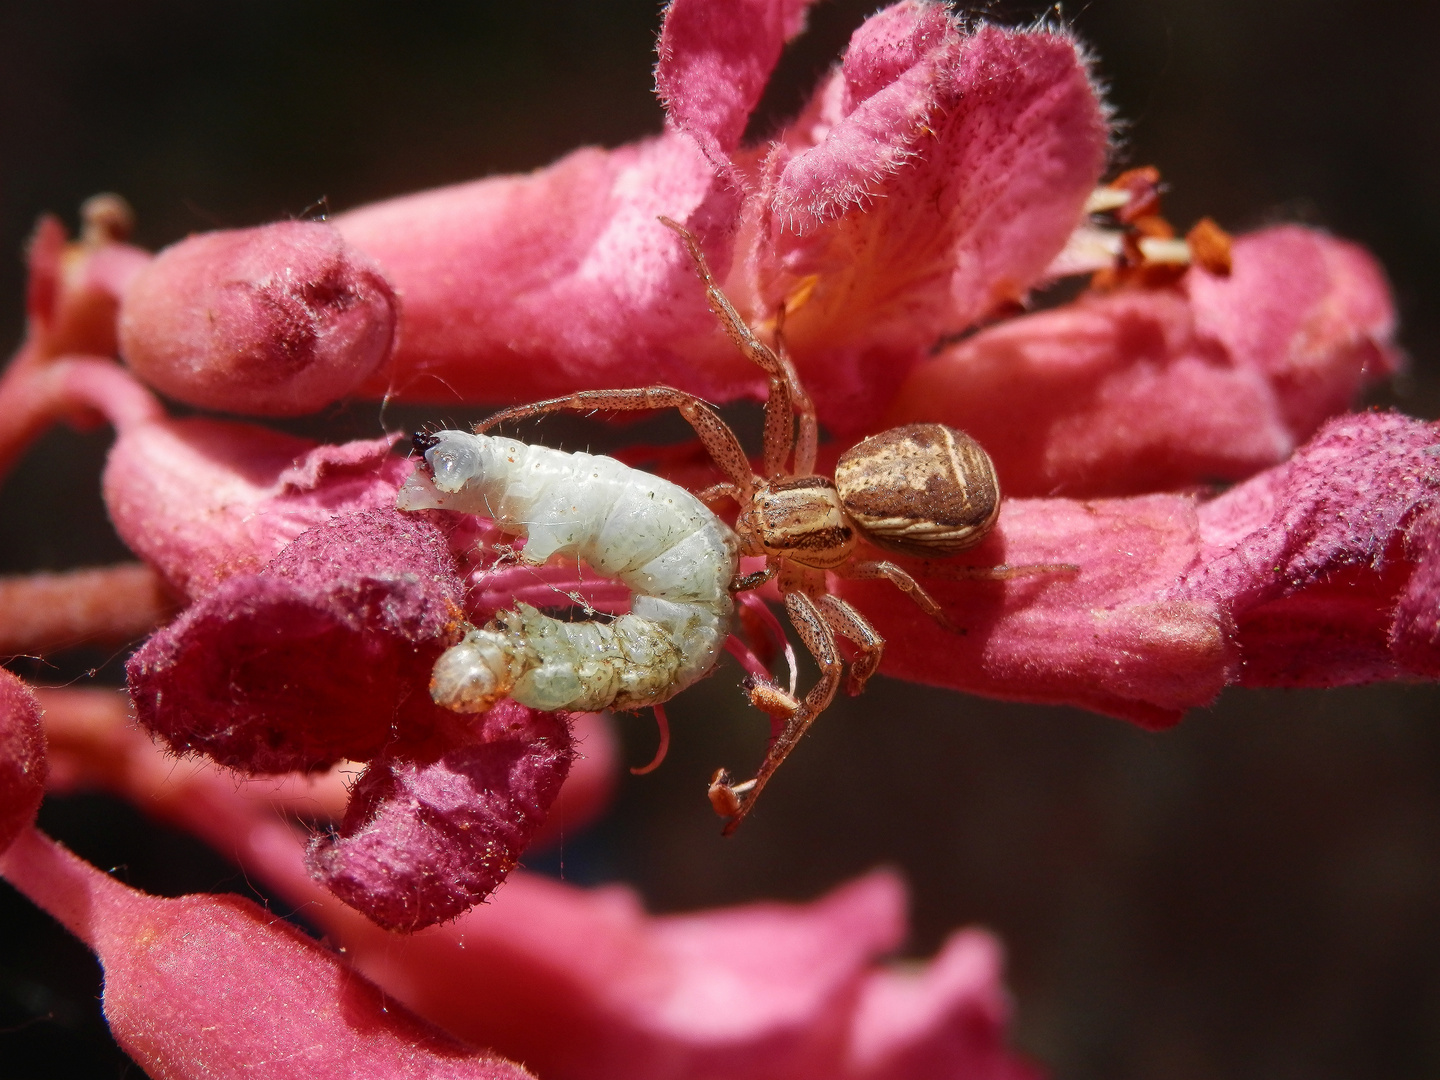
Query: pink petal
(1327, 562)
(1106, 638)
(522, 287)
(1319, 572)
(22, 758)
(1153, 388)
(324, 655)
(715, 58)
(582, 983)
(216, 988)
(279, 320)
(202, 500)
(922, 206)
(422, 843)
(945, 1020)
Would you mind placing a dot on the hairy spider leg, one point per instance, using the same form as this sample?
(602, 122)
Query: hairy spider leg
(714, 433)
(817, 620)
(868, 570)
(787, 398)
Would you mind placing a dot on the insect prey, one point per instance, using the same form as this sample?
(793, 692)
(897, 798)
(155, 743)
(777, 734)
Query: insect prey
(674, 554)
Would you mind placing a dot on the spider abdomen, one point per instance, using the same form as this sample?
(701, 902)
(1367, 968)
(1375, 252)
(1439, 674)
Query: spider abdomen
(923, 489)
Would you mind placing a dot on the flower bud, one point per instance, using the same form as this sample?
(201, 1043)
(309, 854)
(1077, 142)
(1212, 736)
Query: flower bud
(22, 758)
(278, 320)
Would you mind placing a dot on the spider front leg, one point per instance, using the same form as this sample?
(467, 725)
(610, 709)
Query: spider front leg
(817, 620)
(724, 448)
(787, 399)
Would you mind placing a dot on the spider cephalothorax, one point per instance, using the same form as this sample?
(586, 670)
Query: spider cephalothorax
(922, 490)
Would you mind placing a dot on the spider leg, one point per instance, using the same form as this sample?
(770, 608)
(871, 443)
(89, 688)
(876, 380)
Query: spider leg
(869, 571)
(714, 433)
(851, 625)
(1003, 572)
(717, 492)
(786, 397)
(808, 435)
(814, 630)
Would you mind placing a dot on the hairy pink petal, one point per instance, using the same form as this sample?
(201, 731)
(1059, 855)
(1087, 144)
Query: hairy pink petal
(22, 758)
(936, 197)
(217, 988)
(715, 58)
(278, 320)
(521, 287)
(324, 655)
(1328, 562)
(422, 843)
(202, 500)
(1152, 388)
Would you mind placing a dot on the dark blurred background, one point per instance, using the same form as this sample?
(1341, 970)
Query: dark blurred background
(1256, 893)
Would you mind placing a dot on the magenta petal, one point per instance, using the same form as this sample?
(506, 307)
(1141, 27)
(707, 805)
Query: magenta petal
(202, 500)
(422, 843)
(715, 58)
(324, 655)
(217, 988)
(23, 763)
(278, 320)
(1328, 562)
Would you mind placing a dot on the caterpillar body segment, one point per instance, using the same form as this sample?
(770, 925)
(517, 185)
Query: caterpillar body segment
(654, 537)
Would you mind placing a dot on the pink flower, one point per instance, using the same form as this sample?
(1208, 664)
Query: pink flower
(937, 177)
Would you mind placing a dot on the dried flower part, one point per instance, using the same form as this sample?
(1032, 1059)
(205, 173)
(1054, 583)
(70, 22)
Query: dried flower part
(75, 288)
(202, 500)
(22, 758)
(217, 988)
(278, 320)
(1145, 389)
(422, 843)
(323, 655)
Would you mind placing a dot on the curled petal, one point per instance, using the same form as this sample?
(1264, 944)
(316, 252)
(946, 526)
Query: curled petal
(202, 500)
(927, 202)
(324, 655)
(422, 843)
(217, 988)
(715, 59)
(278, 320)
(1152, 388)
(22, 758)
(1327, 562)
